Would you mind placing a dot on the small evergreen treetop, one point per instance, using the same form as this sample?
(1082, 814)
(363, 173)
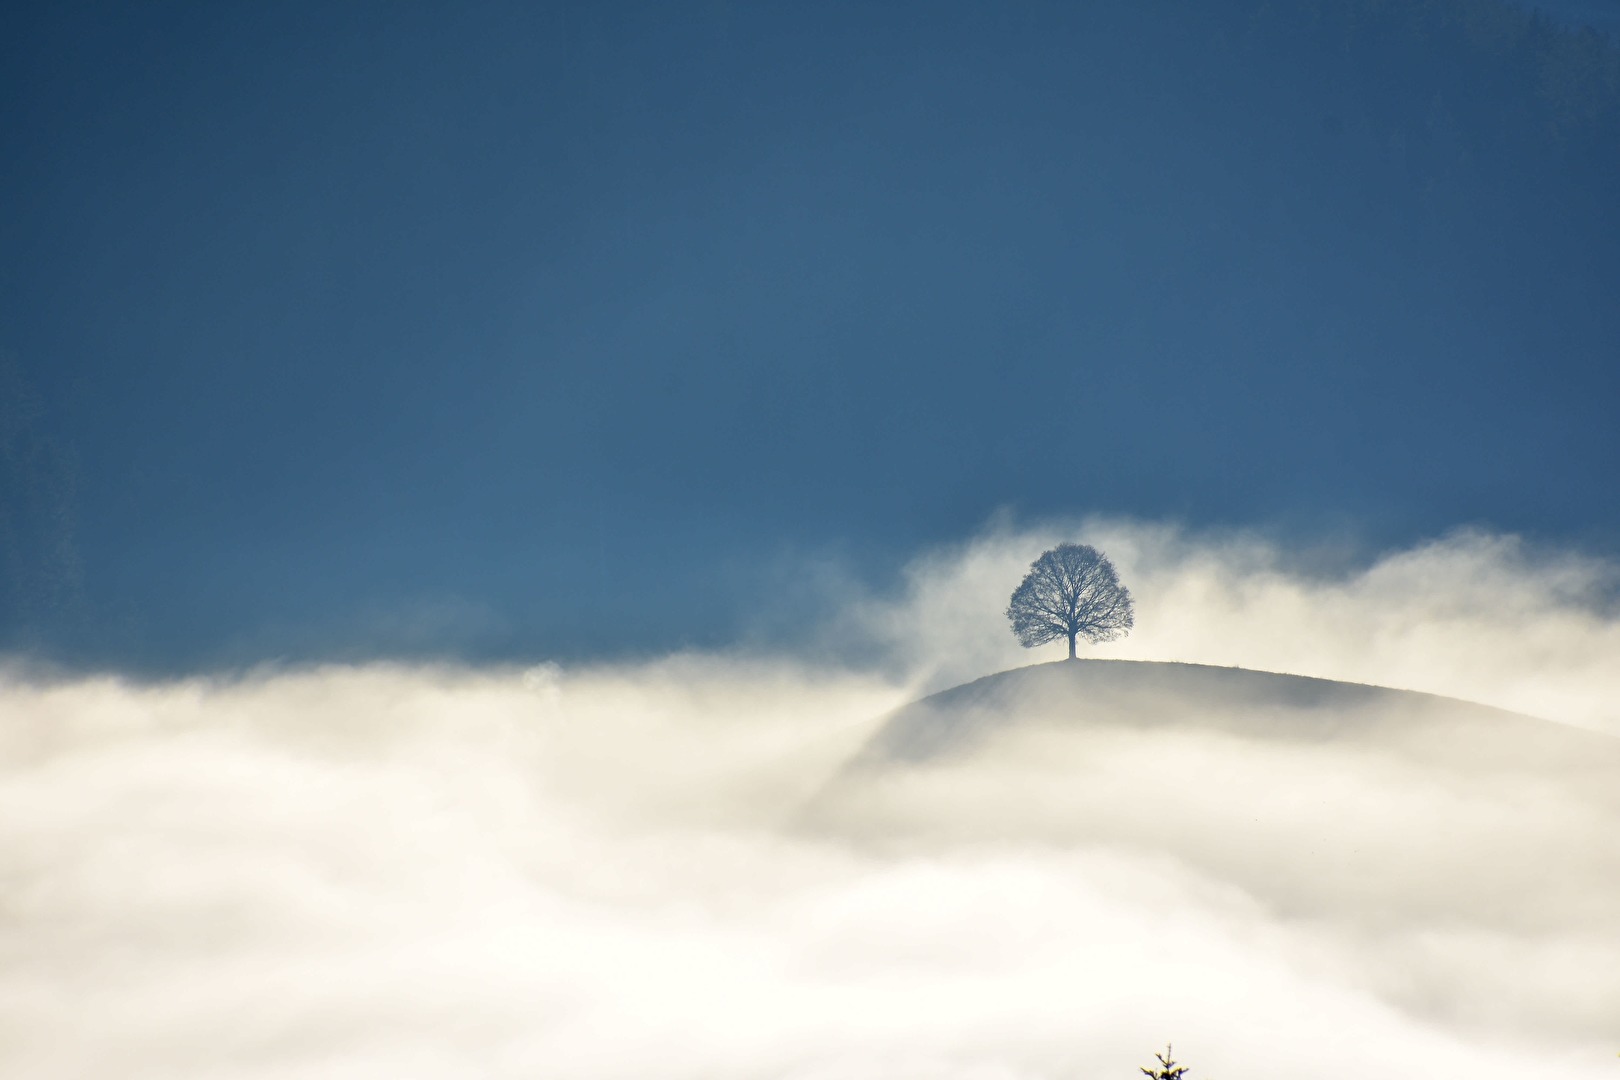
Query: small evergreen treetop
(1168, 1069)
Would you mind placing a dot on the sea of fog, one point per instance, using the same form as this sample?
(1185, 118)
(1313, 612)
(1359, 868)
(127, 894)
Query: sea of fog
(419, 871)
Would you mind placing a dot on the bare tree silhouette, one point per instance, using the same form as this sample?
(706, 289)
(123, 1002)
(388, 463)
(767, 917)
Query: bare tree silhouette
(1071, 591)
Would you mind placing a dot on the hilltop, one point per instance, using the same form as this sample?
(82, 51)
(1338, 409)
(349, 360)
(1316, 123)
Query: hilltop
(1359, 805)
(1267, 707)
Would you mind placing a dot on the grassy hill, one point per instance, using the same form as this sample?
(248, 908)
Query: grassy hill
(1361, 806)
(1260, 706)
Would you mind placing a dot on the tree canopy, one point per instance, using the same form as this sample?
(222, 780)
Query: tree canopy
(1071, 591)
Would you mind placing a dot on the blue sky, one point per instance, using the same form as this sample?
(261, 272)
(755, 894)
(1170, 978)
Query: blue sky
(590, 329)
(1600, 15)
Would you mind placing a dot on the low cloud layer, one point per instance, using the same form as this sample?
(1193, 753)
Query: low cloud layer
(412, 872)
(1472, 615)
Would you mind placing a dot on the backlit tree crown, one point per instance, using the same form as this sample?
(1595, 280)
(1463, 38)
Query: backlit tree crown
(1071, 591)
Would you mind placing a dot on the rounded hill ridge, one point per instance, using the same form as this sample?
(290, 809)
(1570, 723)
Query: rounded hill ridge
(1165, 696)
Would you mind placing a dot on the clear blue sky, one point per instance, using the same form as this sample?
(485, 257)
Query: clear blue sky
(570, 329)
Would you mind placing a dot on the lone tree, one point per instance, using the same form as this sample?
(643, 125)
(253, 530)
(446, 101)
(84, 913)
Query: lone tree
(1071, 591)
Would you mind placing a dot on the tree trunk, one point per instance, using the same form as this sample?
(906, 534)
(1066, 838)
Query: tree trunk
(1071, 646)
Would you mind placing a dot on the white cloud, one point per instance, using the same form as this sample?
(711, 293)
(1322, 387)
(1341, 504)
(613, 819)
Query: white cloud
(1472, 615)
(395, 871)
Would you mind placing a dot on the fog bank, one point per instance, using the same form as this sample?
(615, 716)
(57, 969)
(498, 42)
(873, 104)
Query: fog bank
(1474, 615)
(432, 872)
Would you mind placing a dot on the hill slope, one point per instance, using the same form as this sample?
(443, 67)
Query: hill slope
(1313, 795)
(1462, 861)
(1146, 696)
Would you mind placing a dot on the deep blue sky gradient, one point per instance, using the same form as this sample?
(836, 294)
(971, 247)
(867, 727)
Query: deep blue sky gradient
(564, 329)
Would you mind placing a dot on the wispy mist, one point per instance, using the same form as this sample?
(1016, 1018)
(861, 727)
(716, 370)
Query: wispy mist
(1473, 615)
(394, 871)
